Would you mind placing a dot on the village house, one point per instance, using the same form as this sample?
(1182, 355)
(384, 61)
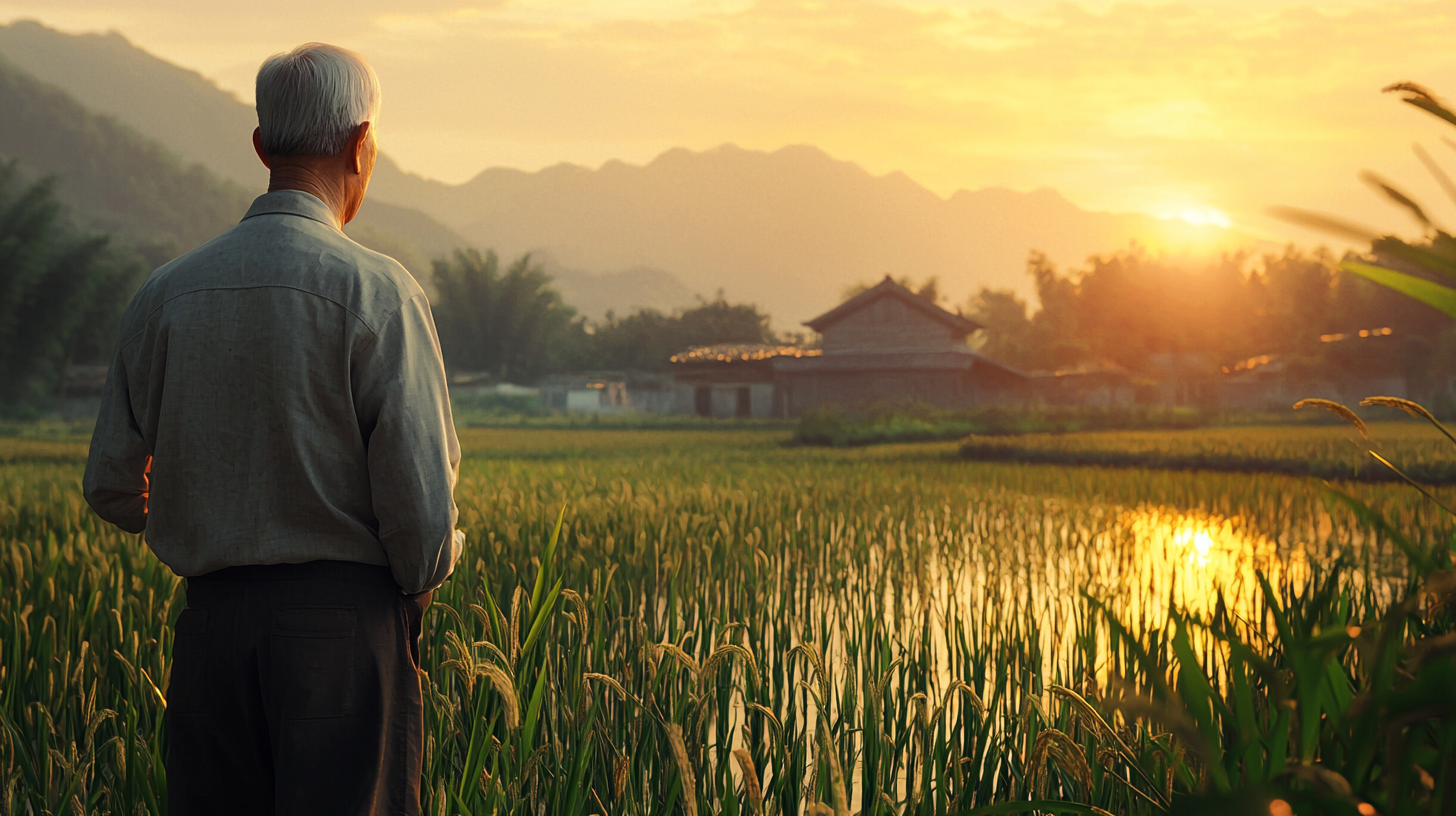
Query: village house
(884, 345)
(1259, 383)
(1103, 384)
(608, 392)
(1346, 367)
(585, 393)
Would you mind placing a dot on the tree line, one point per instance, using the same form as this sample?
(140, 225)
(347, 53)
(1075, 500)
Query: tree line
(512, 326)
(1131, 308)
(63, 291)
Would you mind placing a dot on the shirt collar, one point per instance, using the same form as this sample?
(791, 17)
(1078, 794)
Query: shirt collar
(293, 202)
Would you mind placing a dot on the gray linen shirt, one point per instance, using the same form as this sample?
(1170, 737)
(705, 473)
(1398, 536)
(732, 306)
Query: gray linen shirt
(286, 387)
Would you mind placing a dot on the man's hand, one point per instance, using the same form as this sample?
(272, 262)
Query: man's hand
(147, 480)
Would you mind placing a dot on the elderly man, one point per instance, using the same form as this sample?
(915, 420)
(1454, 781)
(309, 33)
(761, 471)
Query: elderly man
(276, 420)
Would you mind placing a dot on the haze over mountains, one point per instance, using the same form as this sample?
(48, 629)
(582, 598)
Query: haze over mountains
(788, 229)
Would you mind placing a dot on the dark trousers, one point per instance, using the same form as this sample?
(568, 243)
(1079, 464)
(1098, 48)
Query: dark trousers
(295, 691)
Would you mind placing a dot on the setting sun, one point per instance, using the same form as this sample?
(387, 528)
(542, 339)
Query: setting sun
(1202, 217)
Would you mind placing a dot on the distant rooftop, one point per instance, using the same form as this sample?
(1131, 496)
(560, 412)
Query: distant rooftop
(889, 288)
(733, 352)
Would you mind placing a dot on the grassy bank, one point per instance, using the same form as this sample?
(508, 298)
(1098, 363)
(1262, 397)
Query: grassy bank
(919, 422)
(1327, 452)
(914, 422)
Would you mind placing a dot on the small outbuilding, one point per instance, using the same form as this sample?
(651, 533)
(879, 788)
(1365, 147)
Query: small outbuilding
(585, 393)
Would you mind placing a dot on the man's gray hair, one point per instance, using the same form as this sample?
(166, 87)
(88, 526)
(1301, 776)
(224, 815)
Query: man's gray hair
(312, 98)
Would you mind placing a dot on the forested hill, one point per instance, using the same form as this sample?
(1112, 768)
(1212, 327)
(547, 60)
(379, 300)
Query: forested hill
(111, 177)
(199, 122)
(175, 106)
(116, 180)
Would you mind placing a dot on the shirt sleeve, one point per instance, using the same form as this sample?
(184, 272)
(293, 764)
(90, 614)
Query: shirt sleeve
(116, 482)
(403, 406)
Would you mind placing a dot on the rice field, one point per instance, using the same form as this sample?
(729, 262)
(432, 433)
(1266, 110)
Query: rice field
(1323, 451)
(726, 624)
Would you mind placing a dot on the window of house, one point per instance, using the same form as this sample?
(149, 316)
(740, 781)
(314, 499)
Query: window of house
(745, 401)
(703, 400)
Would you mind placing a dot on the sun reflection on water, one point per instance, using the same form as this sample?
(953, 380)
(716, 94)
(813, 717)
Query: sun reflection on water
(1200, 539)
(1140, 562)
(1189, 557)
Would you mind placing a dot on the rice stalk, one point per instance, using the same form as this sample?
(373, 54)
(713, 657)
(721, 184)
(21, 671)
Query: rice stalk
(1337, 409)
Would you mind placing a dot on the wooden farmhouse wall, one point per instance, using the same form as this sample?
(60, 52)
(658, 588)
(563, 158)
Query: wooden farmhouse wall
(889, 323)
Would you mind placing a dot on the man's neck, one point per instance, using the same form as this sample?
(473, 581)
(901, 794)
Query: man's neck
(326, 187)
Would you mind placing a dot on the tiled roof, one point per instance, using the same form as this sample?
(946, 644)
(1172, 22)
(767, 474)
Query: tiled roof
(889, 288)
(731, 352)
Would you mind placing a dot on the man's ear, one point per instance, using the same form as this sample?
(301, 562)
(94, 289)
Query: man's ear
(354, 150)
(258, 148)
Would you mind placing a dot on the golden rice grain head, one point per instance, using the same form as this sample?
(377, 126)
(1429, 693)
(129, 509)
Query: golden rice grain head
(518, 599)
(751, 662)
(776, 729)
(922, 708)
(714, 660)
(1416, 91)
(1335, 408)
(1052, 747)
(1414, 409)
(975, 699)
(507, 691)
(676, 652)
(619, 779)
(481, 615)
(684, 769)
(1036, 767)
(838, 797)
(810, 651)
(750, 778)
(583, 621)
(610, 682)
(1069, 757)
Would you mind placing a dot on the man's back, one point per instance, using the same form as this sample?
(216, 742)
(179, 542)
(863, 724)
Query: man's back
(278, 375)
(276, 420)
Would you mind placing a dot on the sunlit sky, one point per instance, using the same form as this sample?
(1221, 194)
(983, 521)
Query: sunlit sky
(1211, 110)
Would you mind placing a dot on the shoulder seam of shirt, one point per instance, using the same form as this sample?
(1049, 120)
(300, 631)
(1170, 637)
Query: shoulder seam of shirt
(399, 310)
(351, 312)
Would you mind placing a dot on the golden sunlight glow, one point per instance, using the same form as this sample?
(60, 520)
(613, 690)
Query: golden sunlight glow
(1192, 557)
(1200, 217)
(1140, 561)
(1116, 105)
(1200, 539)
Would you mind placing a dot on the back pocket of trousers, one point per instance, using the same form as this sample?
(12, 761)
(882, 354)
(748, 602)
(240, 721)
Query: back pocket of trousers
(313, 662)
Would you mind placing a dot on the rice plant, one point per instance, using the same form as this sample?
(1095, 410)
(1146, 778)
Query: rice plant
(654, 622)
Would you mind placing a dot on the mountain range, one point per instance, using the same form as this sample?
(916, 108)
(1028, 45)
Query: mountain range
(789, 230)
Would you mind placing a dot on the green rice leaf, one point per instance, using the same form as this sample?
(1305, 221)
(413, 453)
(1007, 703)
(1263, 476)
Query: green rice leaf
(1435, 295)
